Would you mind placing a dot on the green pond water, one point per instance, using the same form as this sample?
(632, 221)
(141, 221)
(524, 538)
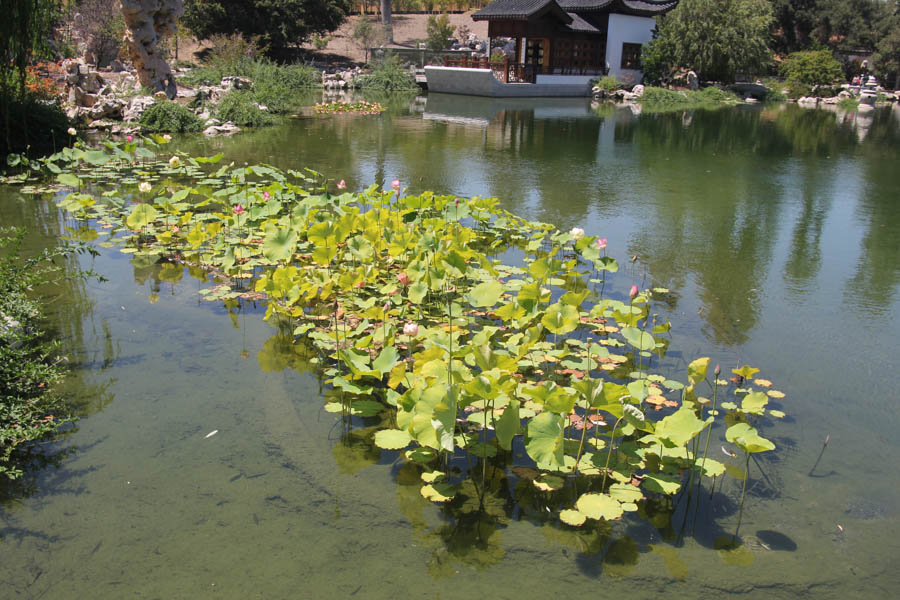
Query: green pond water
(778, 232)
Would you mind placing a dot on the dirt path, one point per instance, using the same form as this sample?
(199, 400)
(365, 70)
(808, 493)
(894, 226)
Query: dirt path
(409, 30)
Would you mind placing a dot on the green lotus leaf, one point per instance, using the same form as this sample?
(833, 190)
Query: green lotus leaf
(755, 403)
(777, 414)
(392, 439)
(278, 244)
(486, 293)
(422, 455)
(662, 483)
(625, 492)
(639, 339)
(681, 427)
(561, 318)
(417, 292)
(572, 517)
(697, 370)
(69, 179)
(432, 476)
(746, 372)
(439, 492)
(508, 425)
(606, 263)
(747, 438)
(545, 440)
(386, 360)
(141, 216)
(710, 467)
(599, 506)
(549, 483)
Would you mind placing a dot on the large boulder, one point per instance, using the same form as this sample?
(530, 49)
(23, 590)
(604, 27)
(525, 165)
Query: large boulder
(136, 108)
(147, 22)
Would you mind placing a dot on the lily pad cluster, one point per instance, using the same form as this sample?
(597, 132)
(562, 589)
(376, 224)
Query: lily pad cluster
(473, 337)
(362, 107)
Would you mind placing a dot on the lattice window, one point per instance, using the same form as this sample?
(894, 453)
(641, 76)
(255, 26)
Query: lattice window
(631, 56)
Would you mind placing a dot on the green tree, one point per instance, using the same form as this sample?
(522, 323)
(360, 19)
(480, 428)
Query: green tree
(439, 31)
(716, 38)
(794, 22)
(278, 23)
(886, 59)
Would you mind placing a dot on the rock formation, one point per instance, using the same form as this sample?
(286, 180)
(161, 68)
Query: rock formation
(147, 22)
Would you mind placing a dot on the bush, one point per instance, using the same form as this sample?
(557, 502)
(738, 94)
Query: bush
(36, 128)
(239, 107)
(439, 30)
(29, 409)
(811, 67)
(608, 84)
(662, 98)
(170, 117)
(388, 74)
(273, 85)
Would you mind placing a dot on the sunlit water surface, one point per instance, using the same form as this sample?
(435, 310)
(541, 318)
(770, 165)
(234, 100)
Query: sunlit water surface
(778, 232)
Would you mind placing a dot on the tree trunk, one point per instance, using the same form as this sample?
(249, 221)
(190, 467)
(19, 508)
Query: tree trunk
(386, 21)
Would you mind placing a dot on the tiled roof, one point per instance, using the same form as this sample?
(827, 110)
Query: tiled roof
(634, 7)
(580, 25)
(517, 9)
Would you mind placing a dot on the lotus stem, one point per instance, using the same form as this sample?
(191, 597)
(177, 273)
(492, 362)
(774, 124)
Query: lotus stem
(821, 452)
(743, 495)
(612, 435)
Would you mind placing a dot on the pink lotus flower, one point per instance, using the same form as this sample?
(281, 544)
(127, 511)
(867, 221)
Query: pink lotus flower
(266, 196)
(238, 209)
(341, 184)
(601, 243)
(396, 185)
(717, 370)
(129, 139)
(634, 292)
(410, 329)
(175, 229)
(403, 278)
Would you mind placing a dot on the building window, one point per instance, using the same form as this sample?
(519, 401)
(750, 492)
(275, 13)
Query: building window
(631, 56)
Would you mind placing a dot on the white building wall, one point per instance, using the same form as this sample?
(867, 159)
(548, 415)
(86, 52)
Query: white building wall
(626, 29)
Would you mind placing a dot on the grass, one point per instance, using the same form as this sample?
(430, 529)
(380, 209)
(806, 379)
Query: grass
(661, 99)
(274, 86)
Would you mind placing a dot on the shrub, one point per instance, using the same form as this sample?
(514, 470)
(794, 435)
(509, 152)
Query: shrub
(661, 98)
(239, 107)
(608, 84)
(29, 408)
(170, 117)
(388, 74)
(36, 128)
(812, 67)
(439, 30)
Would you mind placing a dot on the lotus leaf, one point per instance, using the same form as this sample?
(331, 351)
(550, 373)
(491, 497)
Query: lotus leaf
(392, 439)
(747, 438)
(599, 506)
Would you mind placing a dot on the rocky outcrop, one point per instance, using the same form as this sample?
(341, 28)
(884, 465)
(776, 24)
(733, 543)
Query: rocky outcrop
(147, 22)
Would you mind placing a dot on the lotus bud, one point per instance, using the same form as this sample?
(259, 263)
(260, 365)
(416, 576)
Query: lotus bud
(71, 131)
(634, 258)
(718, 369)
(403, 278)
(266, 196)
(633, 292)
(396, 185)
(411, 329)
(238, 209)
(129, 139)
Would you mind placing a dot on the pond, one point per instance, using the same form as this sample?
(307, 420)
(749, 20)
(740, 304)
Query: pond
(776, 230)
